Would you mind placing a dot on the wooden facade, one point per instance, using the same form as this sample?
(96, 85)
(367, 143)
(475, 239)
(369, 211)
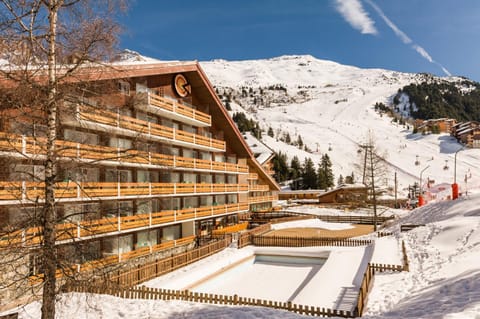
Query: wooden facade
(345, 194)
(467, 133)
(141, 163)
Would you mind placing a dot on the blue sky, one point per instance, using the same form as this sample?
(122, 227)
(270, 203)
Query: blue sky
(434, 36)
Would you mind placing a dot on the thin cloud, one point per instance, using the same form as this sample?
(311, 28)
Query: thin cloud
(354, 13)
(422, 52)
(405, 38)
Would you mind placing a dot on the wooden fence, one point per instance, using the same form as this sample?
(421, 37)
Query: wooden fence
(150, 270)
(285, 241)
(185, 295)
(364, 290)
(245, 238)
(352, 219)
(388, 267)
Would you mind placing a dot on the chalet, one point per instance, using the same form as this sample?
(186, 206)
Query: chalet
(467, 133)
(300, 194)
(442, 125)
(345, 193)
(150, 165)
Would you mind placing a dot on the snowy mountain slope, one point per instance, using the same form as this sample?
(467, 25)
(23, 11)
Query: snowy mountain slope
(331, 106)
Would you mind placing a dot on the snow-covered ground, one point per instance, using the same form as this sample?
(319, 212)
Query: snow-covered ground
(337, 115)
(443, 282)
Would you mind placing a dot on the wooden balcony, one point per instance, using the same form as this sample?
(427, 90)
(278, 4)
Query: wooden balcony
(172, 109)
(231, 229)
(34, 191)
(258, 188)
(261, 199)
(252, 176)
(135, 127)
(29, 147)
(113, 225)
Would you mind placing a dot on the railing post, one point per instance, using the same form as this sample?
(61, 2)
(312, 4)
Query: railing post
(150, 222)
(24, 145)
(78, 229)
(118, 189)
(150, 158)
(78, 150)
(119, 222)
(174, 160)
(175, 215)
(24, 190)
(150, 188)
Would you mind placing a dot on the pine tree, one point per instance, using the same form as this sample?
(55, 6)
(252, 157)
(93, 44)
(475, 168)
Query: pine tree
(280, 167)
(270, 132)
(288, 140)
(299, 141)
(350, 179)
(295, 172)
(325, 174)
(340, 180)
(309, 175)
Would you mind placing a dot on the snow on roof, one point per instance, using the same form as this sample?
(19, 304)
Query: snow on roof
(344, 186)
(261, 151)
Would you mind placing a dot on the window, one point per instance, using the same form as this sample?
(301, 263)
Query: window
(80, 137)
(123, 87)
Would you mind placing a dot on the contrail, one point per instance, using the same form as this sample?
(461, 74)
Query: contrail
(405, 38)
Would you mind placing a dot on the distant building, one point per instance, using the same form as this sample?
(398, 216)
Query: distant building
(467, 133)
(345, 193)
(442, 125)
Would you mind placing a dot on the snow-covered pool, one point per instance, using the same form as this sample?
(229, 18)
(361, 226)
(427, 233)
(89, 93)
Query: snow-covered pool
(259, 275)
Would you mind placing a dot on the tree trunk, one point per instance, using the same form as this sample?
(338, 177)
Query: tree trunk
(49, 210)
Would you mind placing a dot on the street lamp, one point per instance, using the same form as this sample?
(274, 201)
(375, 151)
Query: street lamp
(420, 197)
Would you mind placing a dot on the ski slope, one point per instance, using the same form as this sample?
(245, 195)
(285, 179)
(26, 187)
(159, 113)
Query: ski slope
(338, 115)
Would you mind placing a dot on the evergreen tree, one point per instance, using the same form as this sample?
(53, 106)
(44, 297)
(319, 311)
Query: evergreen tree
(308, 175)
(270, 132)
(325, 174)
(350, 179)
(340, 180)
(280, 167)
(288, 140)
(227, 106)
(299, 142)
(295, 172)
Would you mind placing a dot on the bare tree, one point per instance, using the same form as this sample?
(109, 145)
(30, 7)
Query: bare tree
(373, 169)
(45, 46)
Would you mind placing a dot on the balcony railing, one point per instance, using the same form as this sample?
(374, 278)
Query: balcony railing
(113, 259)
(30, 146)
(253, 176)
(90, 228)
(231, 229)
(258, 188)
(261, 199)
(175, 110)
(33, 191)
(115, 120)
